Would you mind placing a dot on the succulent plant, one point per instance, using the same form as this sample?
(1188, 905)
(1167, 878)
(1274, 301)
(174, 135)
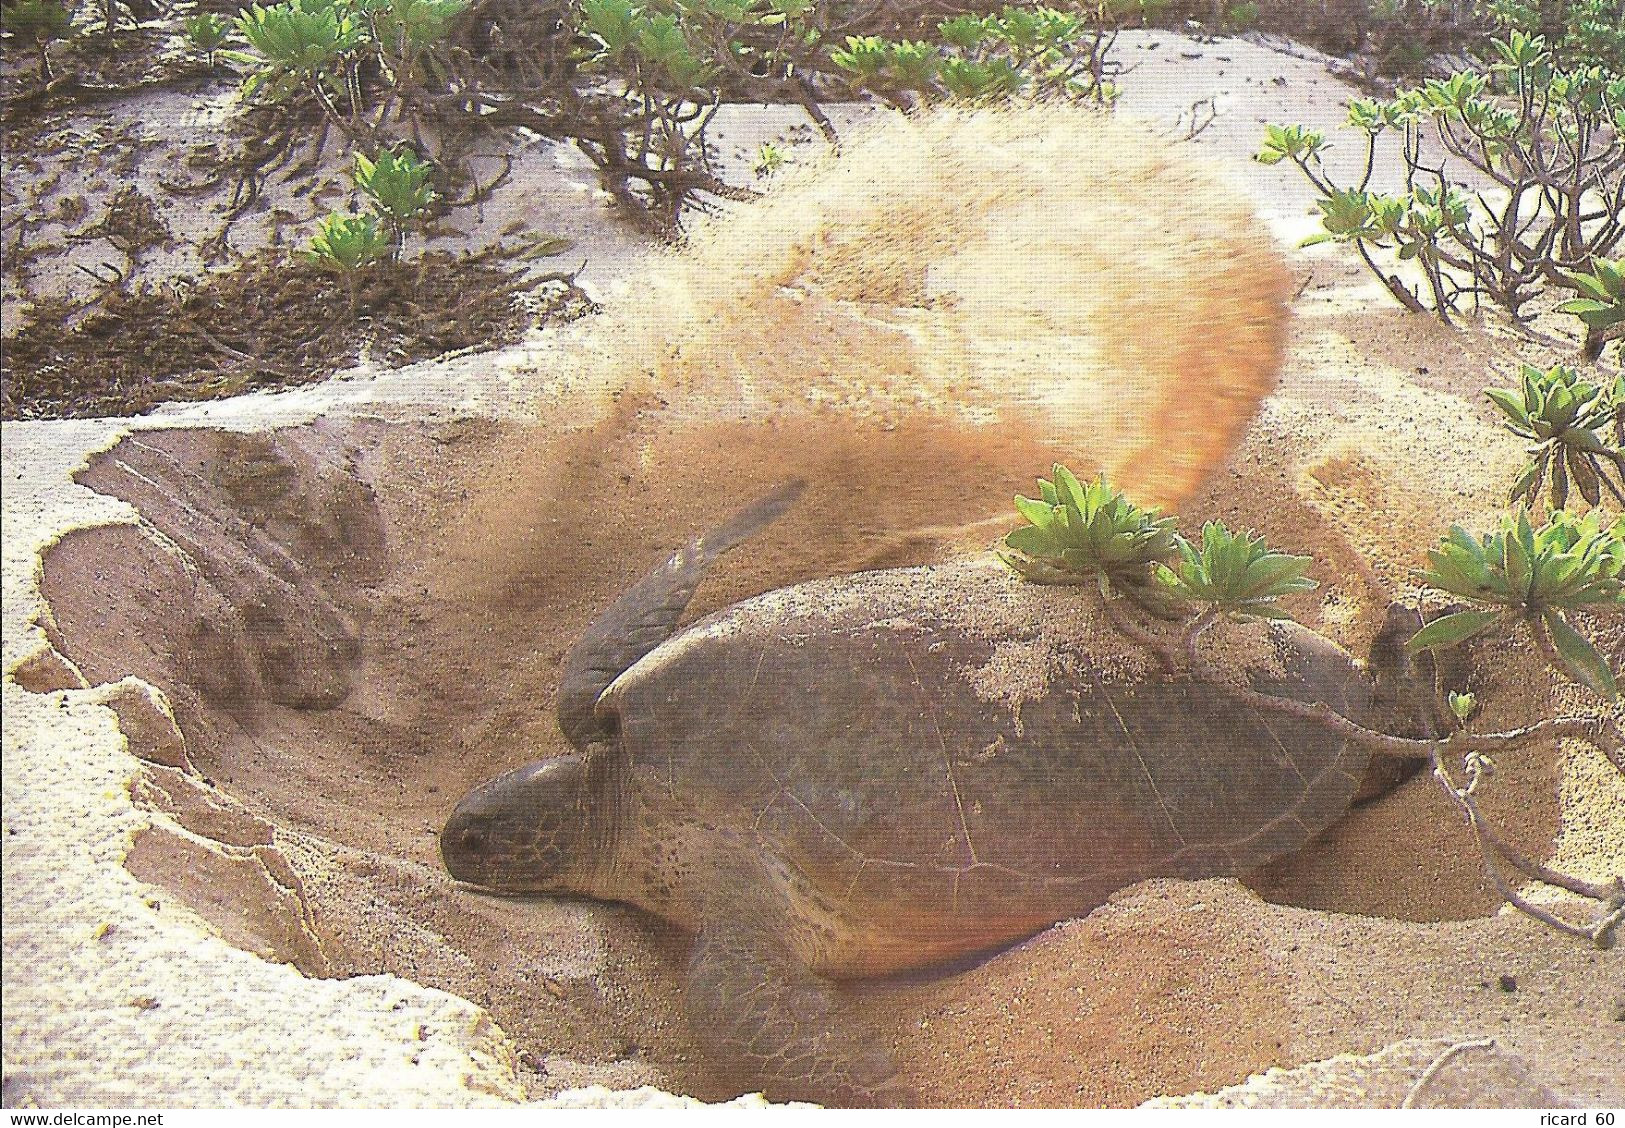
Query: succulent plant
(300, 38)
(1290, 142)
(1535, 576)
(397, 183)
(1236, 573)
(206, 30)
(1566, 417)
(1602, 307)
(769, 158)
(1076, 531)
(346, 243)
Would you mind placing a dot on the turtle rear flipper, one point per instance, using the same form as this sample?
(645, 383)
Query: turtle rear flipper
(774, 1022)
(647, 615)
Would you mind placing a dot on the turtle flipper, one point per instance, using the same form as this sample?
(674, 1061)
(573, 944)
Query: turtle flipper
(774, 1024)
(647, 615)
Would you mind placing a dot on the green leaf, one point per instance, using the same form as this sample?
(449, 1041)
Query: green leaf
(1584, 476)
(1583, 305)
(1068, 490)
(1580, 658)
(1527, 481)
(1510, 402)
(1450, 630)
(1036, 512)
(1091, 528)
(1033, 541)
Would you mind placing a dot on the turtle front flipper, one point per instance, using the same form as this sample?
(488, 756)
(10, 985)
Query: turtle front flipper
(774, 1024)
(647, 615)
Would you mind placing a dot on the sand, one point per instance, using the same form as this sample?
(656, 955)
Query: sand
(266, 881)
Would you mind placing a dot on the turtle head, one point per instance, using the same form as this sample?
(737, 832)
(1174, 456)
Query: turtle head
(527, 831)
(1406, 688)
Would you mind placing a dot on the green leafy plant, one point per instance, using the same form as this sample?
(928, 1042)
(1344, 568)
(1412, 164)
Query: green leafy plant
(1235, 573)
(1566, 418)
(634, 84)
(1076, 531)
(1533, 576)
(1582, 32)
(397, 182)
(1290, 142)
(1601, 306)
(206, 31)
(301, 38)
(769, 159)
(1518, 575)
(348, 243)
(1462, 705)
(1544, 134)
(398, 185)
(1044, 51)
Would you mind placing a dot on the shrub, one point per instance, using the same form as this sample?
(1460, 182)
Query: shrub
(1536, 577)
(348, 243)
(1545, 135)
(206, 31)
(1079, 531)
(1601, 308)
(1236, 574)
(1567, 418)
(1040, 51)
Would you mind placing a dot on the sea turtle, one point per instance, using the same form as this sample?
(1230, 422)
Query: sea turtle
(888, 771)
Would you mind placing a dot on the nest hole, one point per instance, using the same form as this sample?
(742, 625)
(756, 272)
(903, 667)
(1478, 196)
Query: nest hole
(317, 638)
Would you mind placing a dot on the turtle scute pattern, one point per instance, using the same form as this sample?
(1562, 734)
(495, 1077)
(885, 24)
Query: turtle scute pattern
(898, 818)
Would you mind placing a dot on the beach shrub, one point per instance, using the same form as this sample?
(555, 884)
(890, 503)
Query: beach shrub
(1601, 306)
(1532, 576)
(1077, 531)
(397, 183)
(1036, 50)
(207, 32)
(1582, 33)
(1574, 426)
(635, 84)
(1236, 574)
(1547, 136)
(348, 243)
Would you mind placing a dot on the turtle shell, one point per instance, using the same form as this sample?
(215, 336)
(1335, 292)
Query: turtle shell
(907, 766)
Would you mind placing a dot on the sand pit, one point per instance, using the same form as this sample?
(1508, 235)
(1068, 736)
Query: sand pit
(313, 638)
(344, 658)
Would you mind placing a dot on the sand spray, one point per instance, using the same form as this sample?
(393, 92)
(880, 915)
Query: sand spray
(918, 325)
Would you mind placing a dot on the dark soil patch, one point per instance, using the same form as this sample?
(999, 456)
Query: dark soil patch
(92, 66)
(269, 323)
